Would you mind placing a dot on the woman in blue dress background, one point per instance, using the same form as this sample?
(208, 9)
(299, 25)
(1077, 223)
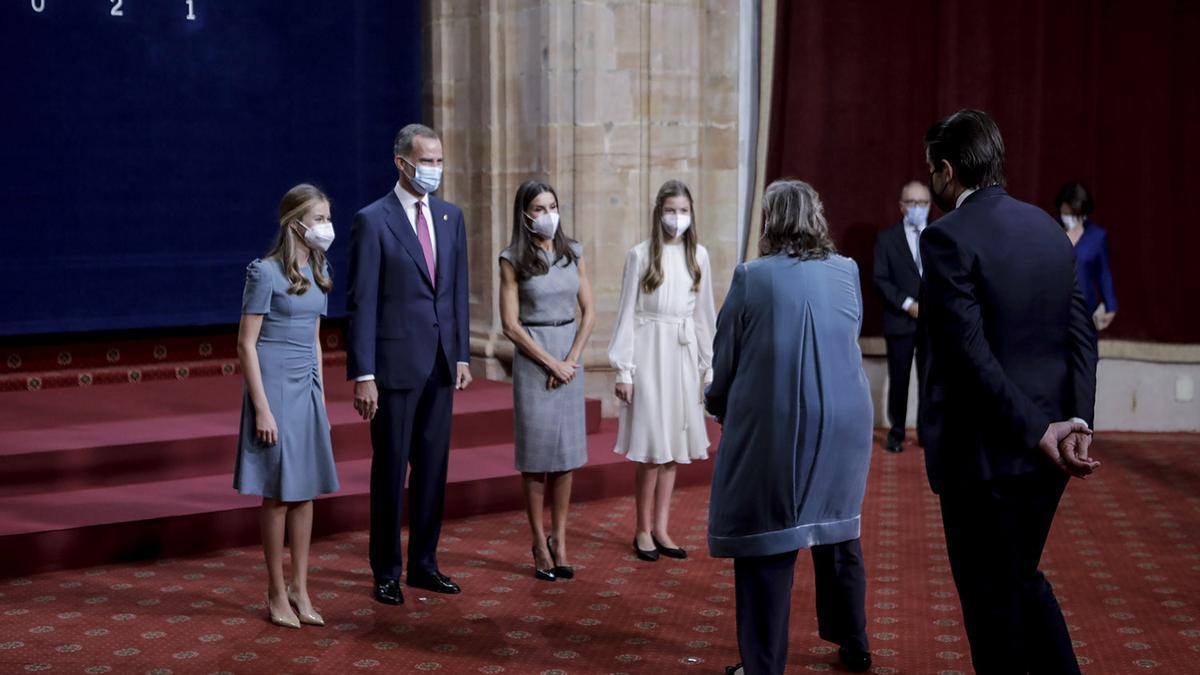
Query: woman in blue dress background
(1074, 205)
(284, 448)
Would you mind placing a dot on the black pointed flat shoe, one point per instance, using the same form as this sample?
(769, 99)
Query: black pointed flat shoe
(648, 556)
(677, 553)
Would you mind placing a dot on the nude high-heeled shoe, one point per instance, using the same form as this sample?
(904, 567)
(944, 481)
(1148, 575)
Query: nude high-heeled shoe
(312, 619)
(285, 621)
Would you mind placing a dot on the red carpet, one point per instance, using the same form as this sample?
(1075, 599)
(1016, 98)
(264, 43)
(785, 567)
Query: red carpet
(1123, 558)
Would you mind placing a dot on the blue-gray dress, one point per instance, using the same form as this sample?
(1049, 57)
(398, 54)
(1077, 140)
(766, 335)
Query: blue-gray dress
(789, 386)
(300, 465)
(550, 432)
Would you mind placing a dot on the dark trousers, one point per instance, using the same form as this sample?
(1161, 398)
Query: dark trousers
(412, 428)
(995, 533)
(900, 350)
(764, 600)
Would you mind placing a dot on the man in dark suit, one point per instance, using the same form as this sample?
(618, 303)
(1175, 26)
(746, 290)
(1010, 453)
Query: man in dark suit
(1009, 394)
(897, 277)
(408, 350)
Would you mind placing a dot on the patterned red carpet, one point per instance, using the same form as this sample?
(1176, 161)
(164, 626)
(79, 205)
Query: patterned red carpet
(1123, 557)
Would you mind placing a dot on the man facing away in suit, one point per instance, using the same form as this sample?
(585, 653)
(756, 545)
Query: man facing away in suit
(1008, 398)
(408, 351)
(897, 276)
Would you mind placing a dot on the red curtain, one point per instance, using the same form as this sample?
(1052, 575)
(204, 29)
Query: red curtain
(1107, 93)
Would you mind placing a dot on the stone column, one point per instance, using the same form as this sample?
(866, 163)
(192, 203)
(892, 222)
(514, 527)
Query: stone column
(604, 99)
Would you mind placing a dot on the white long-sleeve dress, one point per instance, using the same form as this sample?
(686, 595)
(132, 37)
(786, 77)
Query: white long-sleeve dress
(663, 346)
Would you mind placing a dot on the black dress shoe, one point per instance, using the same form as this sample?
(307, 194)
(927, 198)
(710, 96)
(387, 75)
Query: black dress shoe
(560, 571)
(648, 556)
(432, 581)
(677, 553)
(895, 442)
(854, 660)
(388, 592)
(734, 670)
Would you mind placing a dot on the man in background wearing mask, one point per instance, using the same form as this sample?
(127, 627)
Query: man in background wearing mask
(408, 350)
(898, 280)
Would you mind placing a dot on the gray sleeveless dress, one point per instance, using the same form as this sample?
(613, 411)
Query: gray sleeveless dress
(300, 465)
(550, 431)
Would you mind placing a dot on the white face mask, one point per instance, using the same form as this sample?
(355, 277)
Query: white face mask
(319, 236)
(677, 223)
(545, 225)
(425, 179)
(916, 215)
(1072, 222)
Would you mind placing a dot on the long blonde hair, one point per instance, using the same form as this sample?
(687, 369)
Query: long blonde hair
(653, 276)
(295, 203)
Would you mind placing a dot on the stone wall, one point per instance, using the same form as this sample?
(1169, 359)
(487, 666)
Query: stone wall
(604, 99)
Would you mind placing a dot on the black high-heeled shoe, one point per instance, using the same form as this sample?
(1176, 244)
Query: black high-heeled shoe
(543, 575)
(560, 571)
(677, 553)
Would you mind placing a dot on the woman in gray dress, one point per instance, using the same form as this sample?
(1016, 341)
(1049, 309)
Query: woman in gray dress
(284, 450)
(542, 281)
(796, 416)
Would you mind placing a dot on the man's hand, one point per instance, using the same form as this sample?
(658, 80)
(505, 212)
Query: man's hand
(1062, 444)
(1074, 450)
(914, 309)
(366, 399)
(464, 377)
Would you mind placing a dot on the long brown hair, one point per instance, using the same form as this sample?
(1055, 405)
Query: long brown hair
(292, 208)
(653, 277)
(526, 259)
(794, 222)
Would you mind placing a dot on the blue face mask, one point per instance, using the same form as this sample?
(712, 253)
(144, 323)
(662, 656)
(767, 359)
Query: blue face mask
(426, 179)
(916, 215)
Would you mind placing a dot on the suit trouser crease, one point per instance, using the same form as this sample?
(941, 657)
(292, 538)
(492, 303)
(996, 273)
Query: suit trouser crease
(411, 429)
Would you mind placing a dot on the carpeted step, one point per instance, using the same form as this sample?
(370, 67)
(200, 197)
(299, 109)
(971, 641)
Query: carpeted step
(133, 349)
(69, 439)
(173, 517)
(133, 374)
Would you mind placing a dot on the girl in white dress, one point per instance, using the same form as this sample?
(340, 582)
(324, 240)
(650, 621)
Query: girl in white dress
(662, 352)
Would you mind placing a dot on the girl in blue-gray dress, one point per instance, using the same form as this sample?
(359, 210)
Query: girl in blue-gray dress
(284, 449)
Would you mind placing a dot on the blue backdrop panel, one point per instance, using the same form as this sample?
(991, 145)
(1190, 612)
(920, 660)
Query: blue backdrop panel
(143, 153)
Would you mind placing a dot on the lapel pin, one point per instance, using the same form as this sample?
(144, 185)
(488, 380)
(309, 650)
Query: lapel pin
(444, 217)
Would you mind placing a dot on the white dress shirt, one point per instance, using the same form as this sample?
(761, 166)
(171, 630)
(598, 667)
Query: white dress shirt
(410, 203)
(912, 233)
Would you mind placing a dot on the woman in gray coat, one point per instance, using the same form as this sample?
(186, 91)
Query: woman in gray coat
(795, 407)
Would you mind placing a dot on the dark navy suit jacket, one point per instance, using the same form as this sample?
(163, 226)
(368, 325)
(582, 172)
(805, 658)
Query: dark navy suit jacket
(398, 317)
(896, 278)
(1010, 343)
